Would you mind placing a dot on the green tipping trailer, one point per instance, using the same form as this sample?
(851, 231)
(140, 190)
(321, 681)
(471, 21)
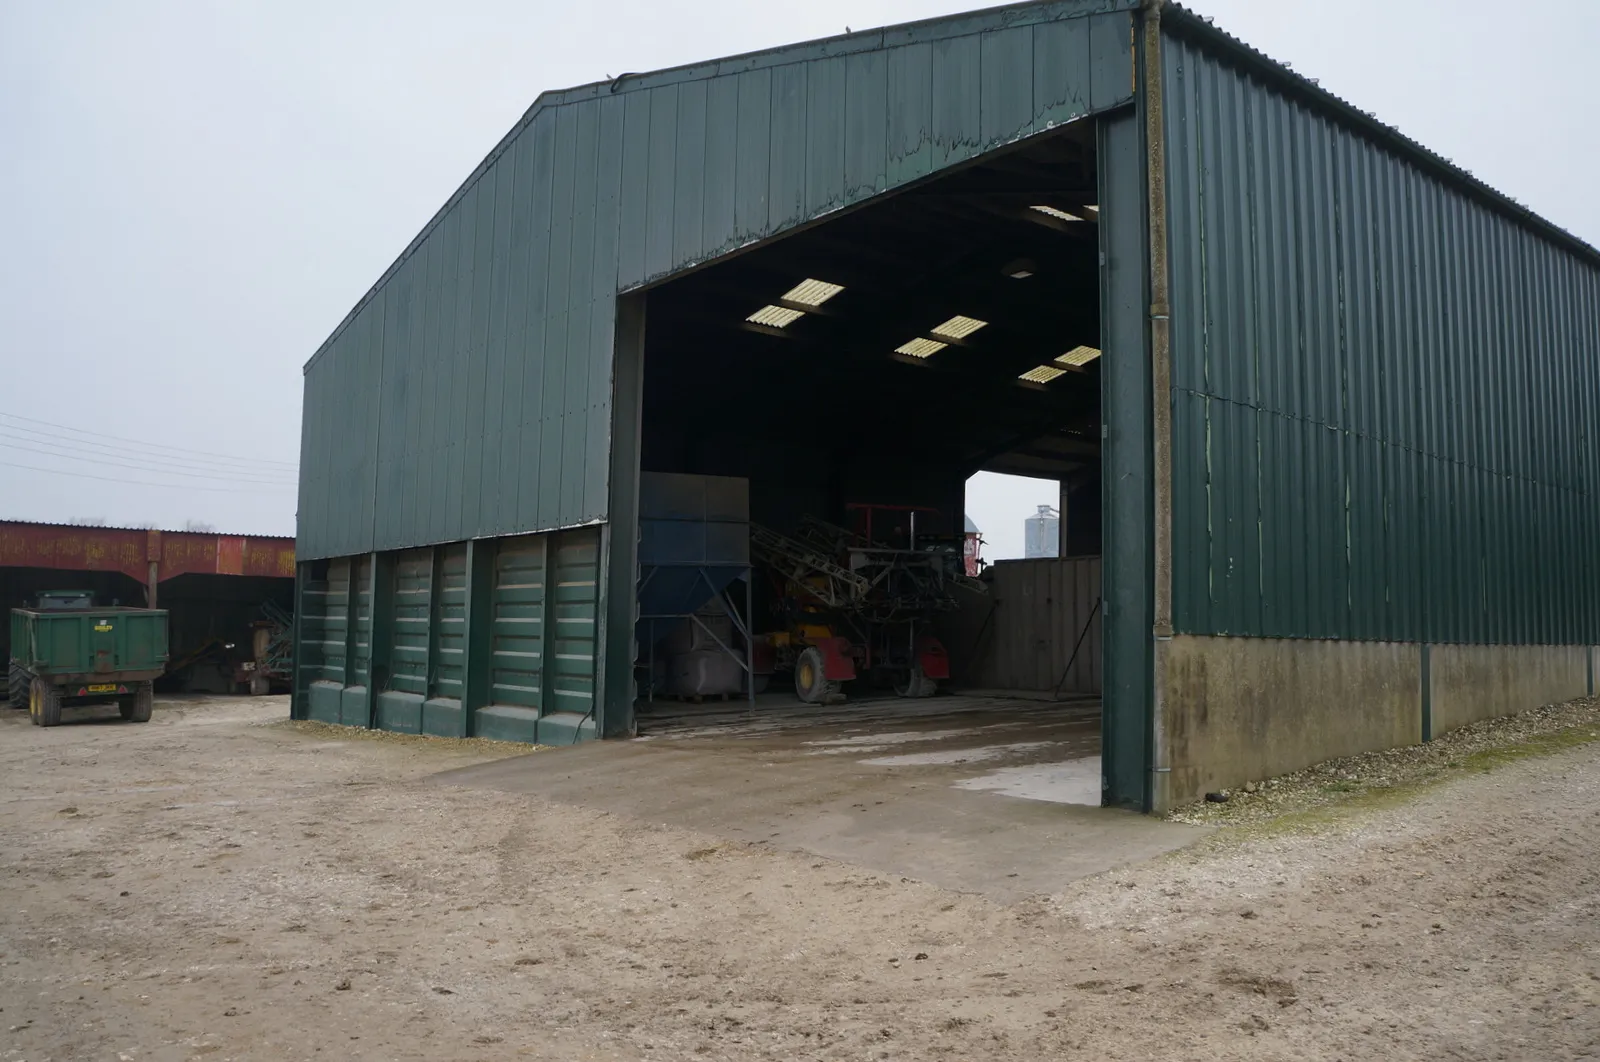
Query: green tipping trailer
(66, 651)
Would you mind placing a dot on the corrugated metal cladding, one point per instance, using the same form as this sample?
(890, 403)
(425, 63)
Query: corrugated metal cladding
(516, 645)
(1385, 388)
(469, 394)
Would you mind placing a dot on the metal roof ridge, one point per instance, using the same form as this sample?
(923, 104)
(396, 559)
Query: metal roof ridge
(1208, 32)
(591, 90)
(1174, 14)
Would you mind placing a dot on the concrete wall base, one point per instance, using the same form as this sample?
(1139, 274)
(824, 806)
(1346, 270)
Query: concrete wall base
(1241, 709)
(1473, 682)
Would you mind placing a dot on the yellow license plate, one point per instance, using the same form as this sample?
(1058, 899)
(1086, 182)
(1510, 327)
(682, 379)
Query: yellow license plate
(104, 687)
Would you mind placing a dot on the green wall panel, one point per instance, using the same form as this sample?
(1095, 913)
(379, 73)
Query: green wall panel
(413, 576)
(516, 665)
(1385, 379)
(322, 618)
(448, 630)
(517, 653)
(361, 623)
(468, 395)
(574, 608)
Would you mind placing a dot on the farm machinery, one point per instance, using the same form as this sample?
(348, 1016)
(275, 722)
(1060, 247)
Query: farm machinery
(860, 601)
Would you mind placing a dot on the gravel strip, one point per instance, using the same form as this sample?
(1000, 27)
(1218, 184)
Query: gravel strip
(1371, 776)
(494, 748)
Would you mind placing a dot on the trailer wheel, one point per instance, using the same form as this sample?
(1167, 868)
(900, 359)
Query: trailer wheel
(17, 691)
(44, 702)
(137, 708)
(809, 684)
(914, 683)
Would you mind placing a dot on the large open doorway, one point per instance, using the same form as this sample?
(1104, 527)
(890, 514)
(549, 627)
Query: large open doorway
(852, 376)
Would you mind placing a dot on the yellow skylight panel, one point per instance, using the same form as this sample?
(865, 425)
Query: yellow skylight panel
(921, 347)
(812, 293)
(775, 316)
(958, 327)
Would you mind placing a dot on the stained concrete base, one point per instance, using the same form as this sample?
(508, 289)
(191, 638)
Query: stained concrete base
(1241, 709)
(1473, 682)
(989, 795)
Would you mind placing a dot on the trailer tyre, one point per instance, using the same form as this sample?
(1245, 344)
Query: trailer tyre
(137, 708)
(17, 691)
(914, 683)
(809, 684)
(44, 702)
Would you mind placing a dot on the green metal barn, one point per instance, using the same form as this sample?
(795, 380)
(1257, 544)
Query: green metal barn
(1338, 439)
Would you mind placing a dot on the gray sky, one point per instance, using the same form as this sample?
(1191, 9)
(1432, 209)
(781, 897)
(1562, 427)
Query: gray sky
(195, 193)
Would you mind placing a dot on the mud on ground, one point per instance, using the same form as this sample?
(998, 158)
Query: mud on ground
(219, 885)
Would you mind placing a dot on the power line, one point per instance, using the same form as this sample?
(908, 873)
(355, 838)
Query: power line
(173, 467)
(48, 438)
(98, 459)
(135, 482)
(92, 438)
(180, 450)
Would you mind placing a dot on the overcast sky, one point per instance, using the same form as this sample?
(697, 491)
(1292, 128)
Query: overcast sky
(195, 193)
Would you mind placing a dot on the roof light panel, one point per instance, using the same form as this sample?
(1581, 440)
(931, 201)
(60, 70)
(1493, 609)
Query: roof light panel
(1042, 374)
(920, 347)
(1078, 356)
(1055, 212)
(812, 293)
(958, 327)
(775, 316)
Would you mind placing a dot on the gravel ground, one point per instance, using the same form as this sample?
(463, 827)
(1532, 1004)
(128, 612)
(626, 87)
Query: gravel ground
(1372, 778)
(218, 885)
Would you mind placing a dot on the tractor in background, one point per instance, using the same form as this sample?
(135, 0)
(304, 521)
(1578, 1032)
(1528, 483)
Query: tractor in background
(861, 601)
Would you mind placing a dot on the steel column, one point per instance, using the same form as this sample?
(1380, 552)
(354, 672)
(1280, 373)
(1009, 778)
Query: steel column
(478, 637)
(435, 581)
(352, 603)
(380, 642)
(619, 541)
(299, 688)
(1125, 390)
(1149, 101)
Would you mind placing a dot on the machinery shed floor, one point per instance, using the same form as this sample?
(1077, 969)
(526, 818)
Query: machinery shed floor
(992, 795)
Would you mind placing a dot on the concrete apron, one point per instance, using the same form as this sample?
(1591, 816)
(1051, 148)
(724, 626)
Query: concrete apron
(989, 795)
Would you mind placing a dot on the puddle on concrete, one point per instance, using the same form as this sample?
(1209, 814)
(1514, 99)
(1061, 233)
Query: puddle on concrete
(870, 742)
(1065, 782)
(949, 756)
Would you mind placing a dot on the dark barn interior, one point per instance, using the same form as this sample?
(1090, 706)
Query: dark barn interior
(888, 353)
(861, 398)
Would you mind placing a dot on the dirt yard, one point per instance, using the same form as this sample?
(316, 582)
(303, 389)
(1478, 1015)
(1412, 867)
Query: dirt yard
(220, 885)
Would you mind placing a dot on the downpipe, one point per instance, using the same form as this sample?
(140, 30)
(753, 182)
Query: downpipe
(1158, 788)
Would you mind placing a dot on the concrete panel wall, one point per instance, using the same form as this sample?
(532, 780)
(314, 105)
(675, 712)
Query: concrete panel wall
(1473, 682)
(1245, 708)
(1239, 709)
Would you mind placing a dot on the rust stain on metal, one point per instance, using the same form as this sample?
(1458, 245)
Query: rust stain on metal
(131, 551)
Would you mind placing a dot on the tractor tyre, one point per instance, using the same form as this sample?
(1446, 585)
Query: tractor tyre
(914, 683)
(44, 702)
(17, 690)
(137, 708)
(809, 684)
